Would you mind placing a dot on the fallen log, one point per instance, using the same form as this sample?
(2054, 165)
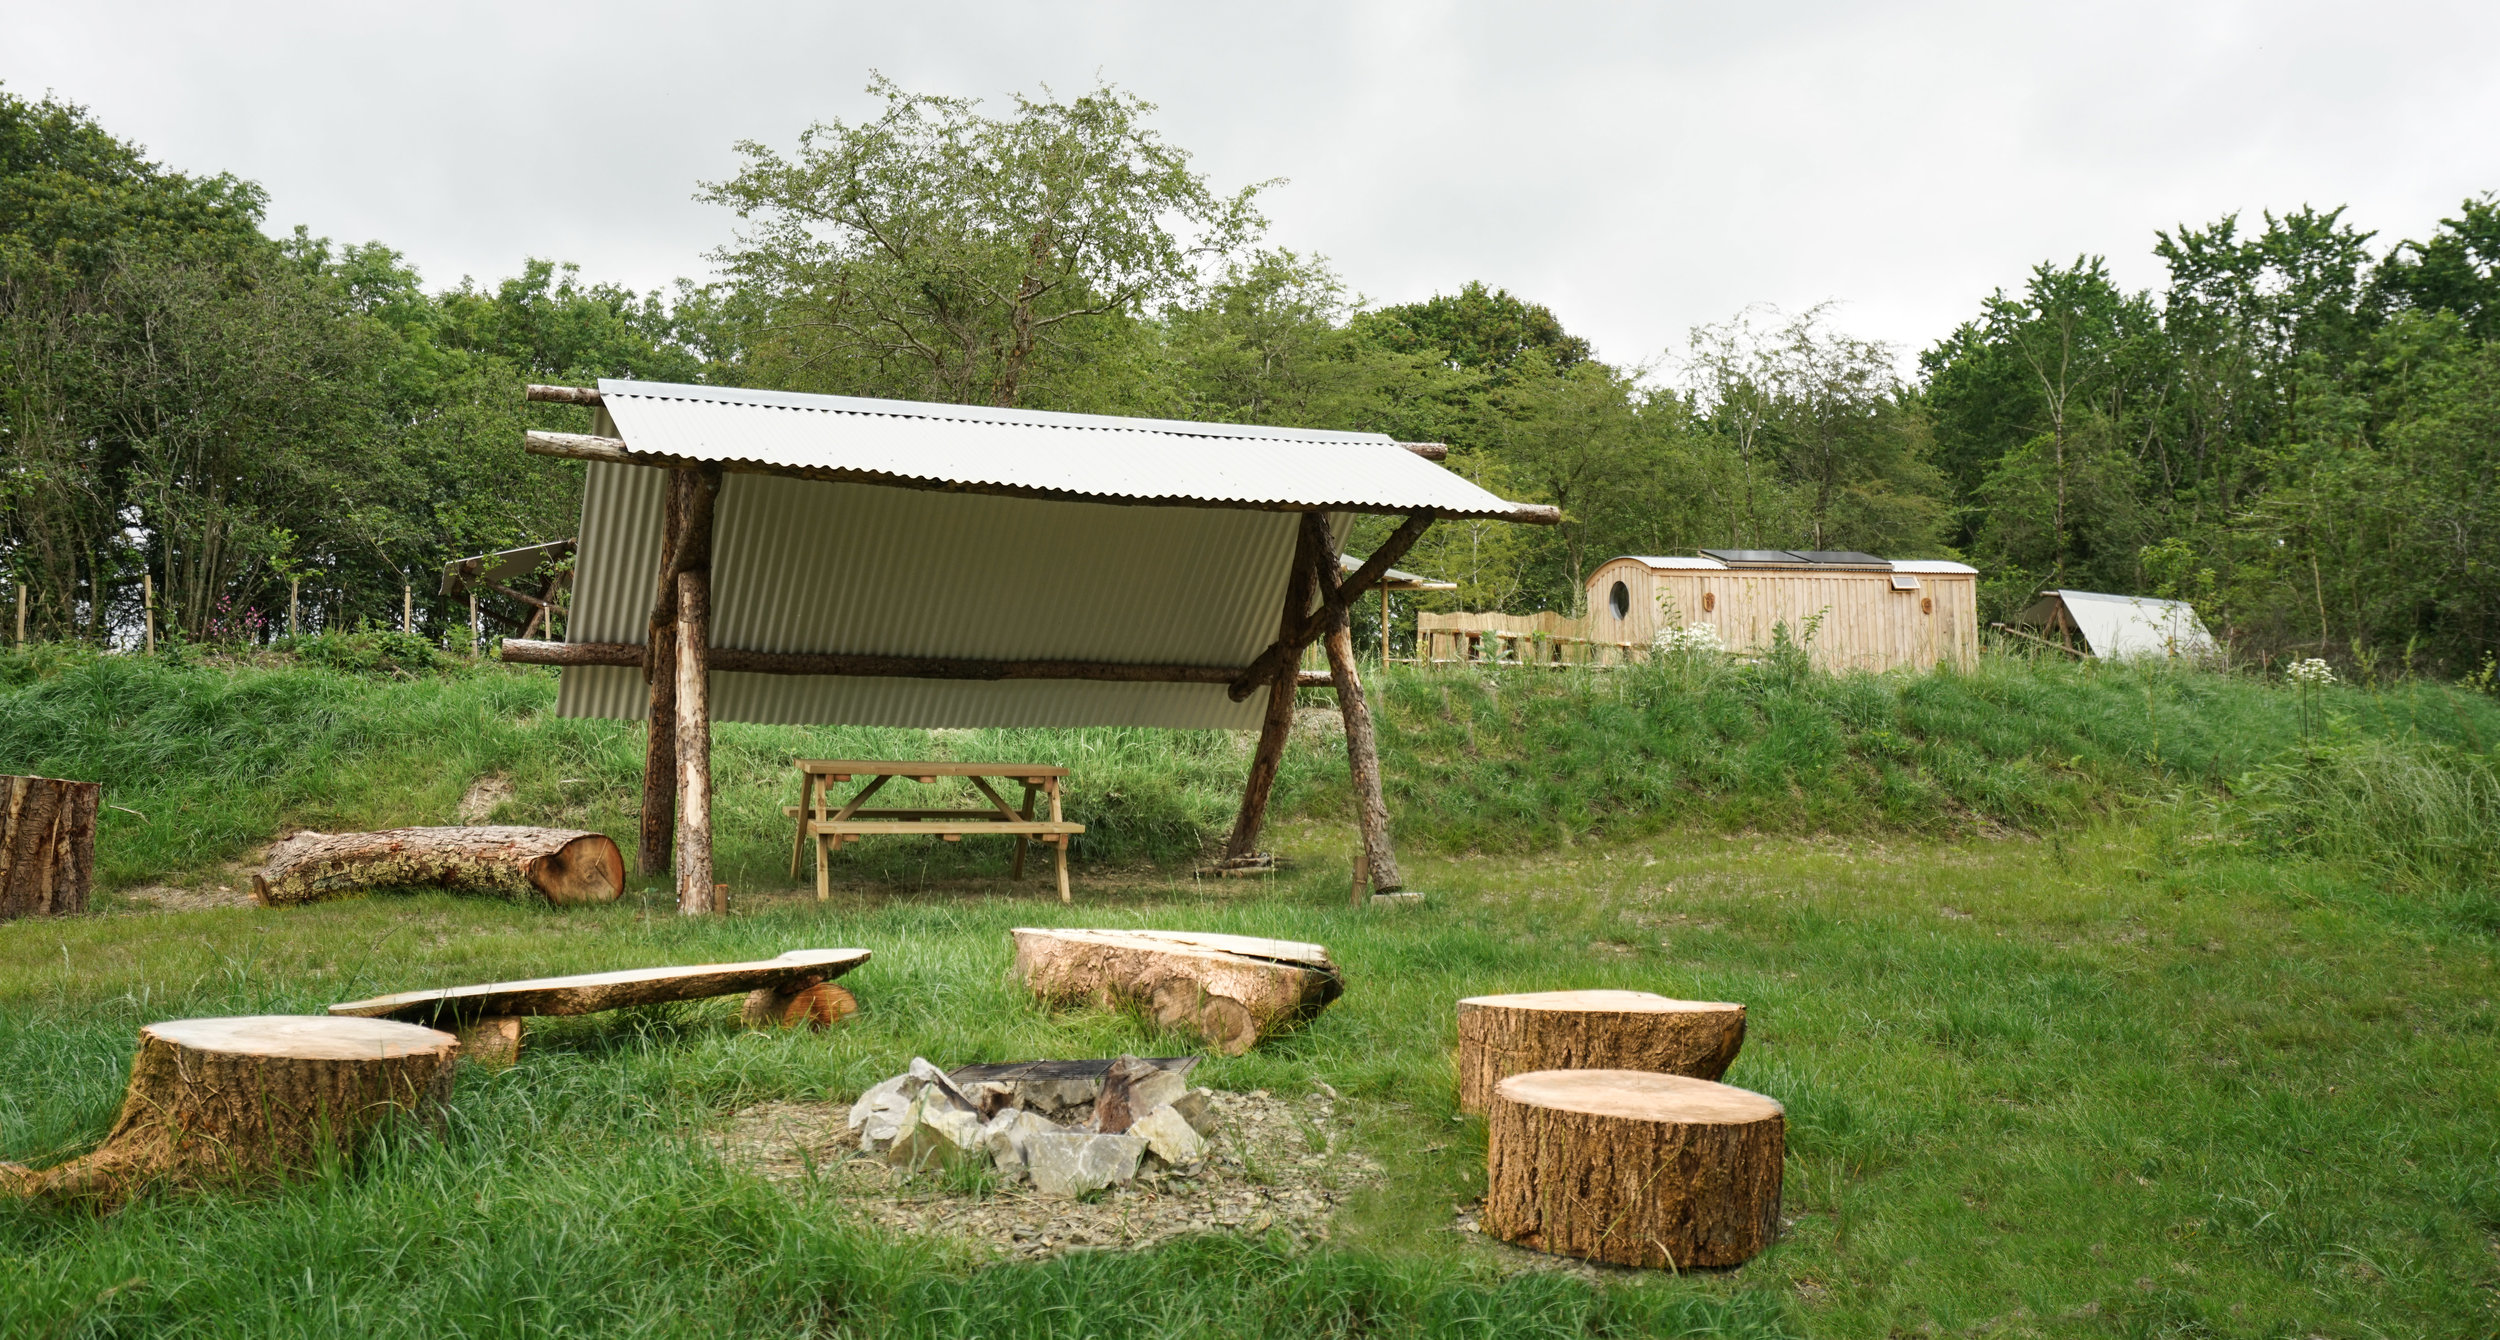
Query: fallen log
(1231, 990)
(1501, 1036)
(589, 993)
(240, 1101)
(47, 845)
(563, 866)
(1633, 1168)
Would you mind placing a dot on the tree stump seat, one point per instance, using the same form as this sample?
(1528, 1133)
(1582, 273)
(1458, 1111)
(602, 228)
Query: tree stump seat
(1633, 1167)
(1500, 1036)
(250, 1099)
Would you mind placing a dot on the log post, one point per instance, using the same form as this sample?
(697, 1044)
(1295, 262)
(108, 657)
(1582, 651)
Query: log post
(1276, 728)
(47, 846)
(1633, 1168)
(225, 1101)
(695, 894)
(1371, 813)
(1501, 1036)
(659, 670)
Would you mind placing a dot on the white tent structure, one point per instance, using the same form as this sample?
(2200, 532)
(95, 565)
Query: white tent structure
(771, 556)
(2117, 628)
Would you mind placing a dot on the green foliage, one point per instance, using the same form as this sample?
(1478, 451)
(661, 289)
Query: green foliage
(939, 254)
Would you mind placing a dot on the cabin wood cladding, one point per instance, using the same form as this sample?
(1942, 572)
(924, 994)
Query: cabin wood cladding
(562, 866)
(1501, 1036)
(228, 1101)
(1633, 1168)
(47, 845)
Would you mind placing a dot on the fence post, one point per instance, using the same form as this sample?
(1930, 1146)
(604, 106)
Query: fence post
(147, 606)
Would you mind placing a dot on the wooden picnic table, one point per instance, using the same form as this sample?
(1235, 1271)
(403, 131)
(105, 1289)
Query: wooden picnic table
(829, 824)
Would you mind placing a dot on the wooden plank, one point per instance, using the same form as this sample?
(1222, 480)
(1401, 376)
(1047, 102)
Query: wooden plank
(588, 993)
(924, 827)
(916, 767)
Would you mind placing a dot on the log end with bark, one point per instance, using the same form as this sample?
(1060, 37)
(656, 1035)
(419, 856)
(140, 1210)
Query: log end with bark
(1232, 990)
(816, 1007)
(562, 866)
(251, 1100)
(1633, 1168)
(47, 845)
(1500, 1036)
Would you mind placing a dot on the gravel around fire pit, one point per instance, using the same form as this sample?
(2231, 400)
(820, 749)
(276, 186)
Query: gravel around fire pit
(1274, 1164)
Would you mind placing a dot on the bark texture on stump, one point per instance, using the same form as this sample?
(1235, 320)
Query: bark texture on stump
(591, 992)
(1231, 990)
(1501, 1036)
(47, 845)
(559, 865)
(1633, 1168)
(249, 1100)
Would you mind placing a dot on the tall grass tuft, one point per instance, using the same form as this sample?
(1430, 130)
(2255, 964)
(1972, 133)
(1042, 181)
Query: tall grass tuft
(2423, 817)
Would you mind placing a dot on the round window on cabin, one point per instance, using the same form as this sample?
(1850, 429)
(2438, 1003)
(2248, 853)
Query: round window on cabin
(1620, 600)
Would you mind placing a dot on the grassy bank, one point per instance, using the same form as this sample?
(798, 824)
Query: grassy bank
(205, 761)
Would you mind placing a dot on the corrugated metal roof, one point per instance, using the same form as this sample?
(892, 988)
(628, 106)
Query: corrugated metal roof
(1678, 563)
(2118, 627)
(1071, 454)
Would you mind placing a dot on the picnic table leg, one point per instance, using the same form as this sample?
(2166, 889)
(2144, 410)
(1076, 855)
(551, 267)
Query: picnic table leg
(1021, 840)
(1059, 841)
(824, 873)
(798, 838)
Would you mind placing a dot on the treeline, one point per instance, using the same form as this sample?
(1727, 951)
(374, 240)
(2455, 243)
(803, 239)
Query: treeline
(2297, 432)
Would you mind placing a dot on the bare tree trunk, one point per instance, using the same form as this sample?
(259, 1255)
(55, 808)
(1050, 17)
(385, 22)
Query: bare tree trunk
(695, 893)
(47, 845)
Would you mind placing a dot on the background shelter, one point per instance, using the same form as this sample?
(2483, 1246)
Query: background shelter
(1393, 580)
(1867, 613)
(779, 557)
(2116, 627)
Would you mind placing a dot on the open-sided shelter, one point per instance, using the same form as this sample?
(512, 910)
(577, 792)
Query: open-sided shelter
(2116, 627)
(1867, 613)
(772, 556)
(1392, 580)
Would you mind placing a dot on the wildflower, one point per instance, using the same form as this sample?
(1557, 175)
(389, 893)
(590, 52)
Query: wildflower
(2311, 673)
(1695, 639)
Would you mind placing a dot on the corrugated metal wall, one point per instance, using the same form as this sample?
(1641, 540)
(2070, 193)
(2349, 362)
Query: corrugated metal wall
(801, 565)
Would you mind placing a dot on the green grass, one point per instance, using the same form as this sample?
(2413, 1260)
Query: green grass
(2087, 1045)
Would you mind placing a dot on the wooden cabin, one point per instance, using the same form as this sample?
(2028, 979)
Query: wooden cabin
(1876, 614)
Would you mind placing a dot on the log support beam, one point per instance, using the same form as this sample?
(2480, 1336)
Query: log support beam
(696, 894)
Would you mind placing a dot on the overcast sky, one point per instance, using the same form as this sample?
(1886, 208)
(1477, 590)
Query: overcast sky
(1639, 169)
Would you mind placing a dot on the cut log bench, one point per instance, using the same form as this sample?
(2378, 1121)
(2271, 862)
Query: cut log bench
(1232, 990)
(1633, 1167)
(562, 866)
(1500, 1036)
(47, 845)
(796, 988)
(829, 825)
(240, 1101)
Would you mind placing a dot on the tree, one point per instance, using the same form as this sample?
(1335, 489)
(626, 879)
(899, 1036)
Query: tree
(939, 253)
(1479, 330)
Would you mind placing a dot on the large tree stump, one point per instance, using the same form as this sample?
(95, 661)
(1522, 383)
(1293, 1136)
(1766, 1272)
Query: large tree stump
(557, 865)
(1231, 990)
(225, 1101)
(1633, 1167)
(1500, 1036)
(47, 845)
